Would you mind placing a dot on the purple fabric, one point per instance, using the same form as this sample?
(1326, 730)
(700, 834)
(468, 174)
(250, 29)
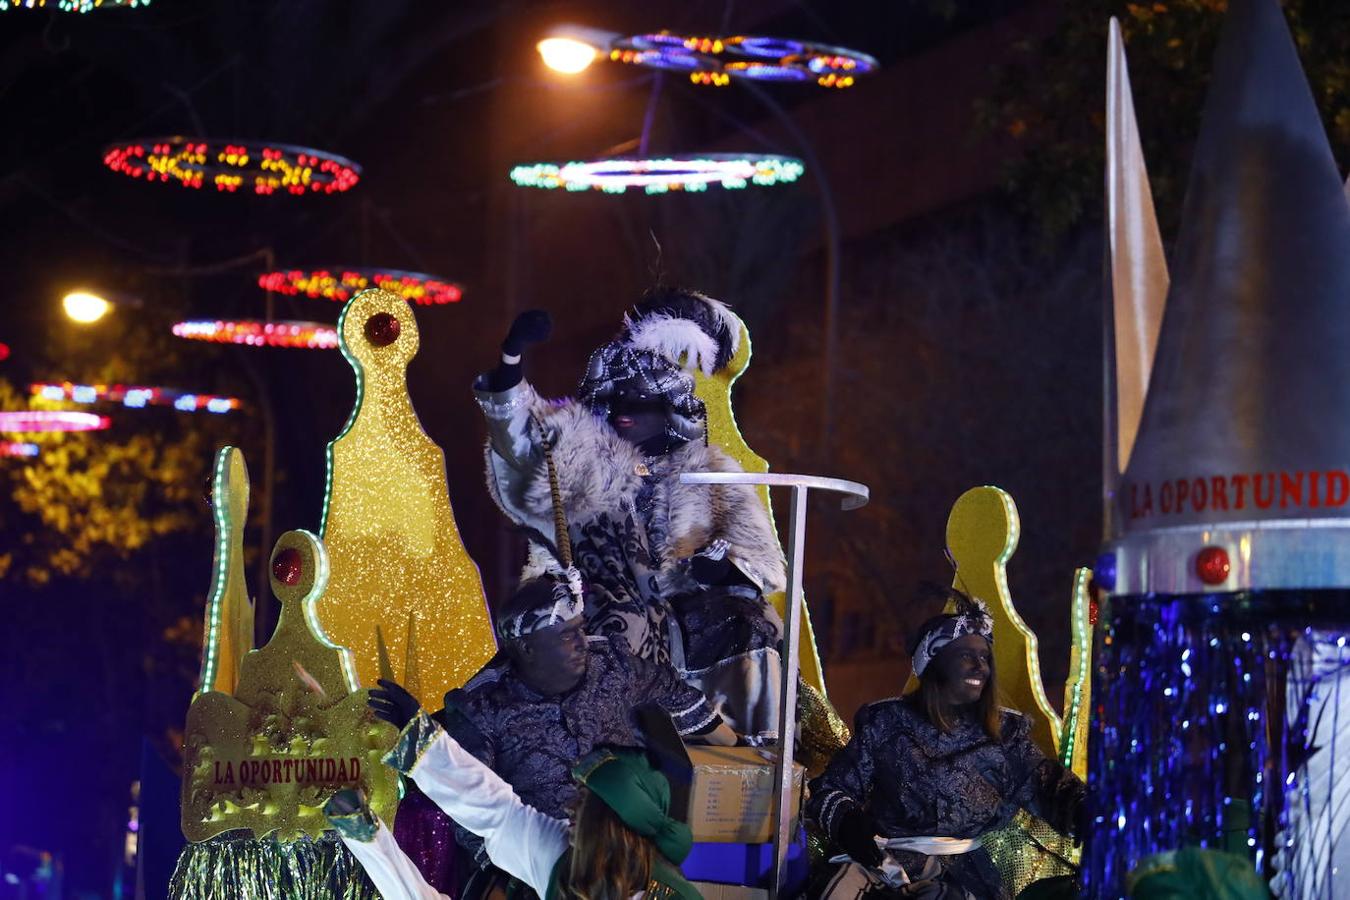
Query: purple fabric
(427, 835)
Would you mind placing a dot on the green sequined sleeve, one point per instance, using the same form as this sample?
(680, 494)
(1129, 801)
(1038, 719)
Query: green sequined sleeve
(413, 742)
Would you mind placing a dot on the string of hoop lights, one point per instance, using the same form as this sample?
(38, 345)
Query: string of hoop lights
(717, 60)
(33, 421)
(259, 333)
(20, 449)
(257, 167)
(78, 6)
(658, 175)
(341, 283)
(134, 397)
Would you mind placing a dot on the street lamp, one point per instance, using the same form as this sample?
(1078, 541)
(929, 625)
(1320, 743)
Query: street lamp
(570, 49)
(566, 55)
(84, 307)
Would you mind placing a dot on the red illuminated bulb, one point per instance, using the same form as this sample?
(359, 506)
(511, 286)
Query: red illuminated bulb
(288, 566)
(1212, 565)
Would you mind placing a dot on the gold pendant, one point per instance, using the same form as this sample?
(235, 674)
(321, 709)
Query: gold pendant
(641, 469)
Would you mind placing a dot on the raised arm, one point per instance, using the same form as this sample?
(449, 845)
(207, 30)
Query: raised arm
(508, 401)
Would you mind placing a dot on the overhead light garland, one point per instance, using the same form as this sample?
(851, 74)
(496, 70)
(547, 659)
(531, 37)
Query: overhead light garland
(717, 60)
(258, 333)
(79, 6)
(19, 449)
(33, 421)
(134, 397)
(341, 284)
(658, 175)
(257, 167)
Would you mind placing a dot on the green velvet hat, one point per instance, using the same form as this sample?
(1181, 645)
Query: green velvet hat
(639, 796)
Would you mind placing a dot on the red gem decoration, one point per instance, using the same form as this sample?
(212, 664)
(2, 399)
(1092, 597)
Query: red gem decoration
(382, 329)
(288, 566)
(4, 352)
(1212, 565)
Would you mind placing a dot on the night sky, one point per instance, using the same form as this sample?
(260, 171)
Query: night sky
(968, 345)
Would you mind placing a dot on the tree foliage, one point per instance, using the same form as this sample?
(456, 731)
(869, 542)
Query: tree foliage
(1050, 101)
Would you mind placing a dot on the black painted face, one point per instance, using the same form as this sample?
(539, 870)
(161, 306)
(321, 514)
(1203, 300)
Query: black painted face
(963, 668)
(555, 656)
(639, 416)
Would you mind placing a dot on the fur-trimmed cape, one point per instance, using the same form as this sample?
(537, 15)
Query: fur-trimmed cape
(599, 473)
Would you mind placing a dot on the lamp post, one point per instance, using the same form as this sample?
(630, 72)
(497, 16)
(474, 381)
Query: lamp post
(855, 495)
(570, 49)
(86, 307)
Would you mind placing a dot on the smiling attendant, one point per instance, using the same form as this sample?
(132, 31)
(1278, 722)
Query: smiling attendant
(927, 775)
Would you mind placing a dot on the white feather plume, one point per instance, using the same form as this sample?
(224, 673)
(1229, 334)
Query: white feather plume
(681, 340)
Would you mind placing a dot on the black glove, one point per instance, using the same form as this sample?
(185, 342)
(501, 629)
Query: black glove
(393, 704)
(530, 327)
(856, 834)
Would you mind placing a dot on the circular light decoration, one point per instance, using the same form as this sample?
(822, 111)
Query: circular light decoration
(79, 6)
(615, 175)
(32, 421)
(257, 333)
(4, 351)
(20, 449)
(717, 60)
(341, 284)
(135, 397)
(262, 168)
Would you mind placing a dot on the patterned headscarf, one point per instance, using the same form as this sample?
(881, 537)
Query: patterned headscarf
(971, 617)
(562, 603)
(618, 362)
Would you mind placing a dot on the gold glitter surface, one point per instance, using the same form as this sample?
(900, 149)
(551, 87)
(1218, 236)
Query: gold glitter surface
(982, 533)
(398, 561)
(269, 757)
(229, 612)
(1073, 740)
(715, 392)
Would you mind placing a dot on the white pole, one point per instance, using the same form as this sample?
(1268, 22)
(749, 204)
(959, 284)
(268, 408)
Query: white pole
(855, 495)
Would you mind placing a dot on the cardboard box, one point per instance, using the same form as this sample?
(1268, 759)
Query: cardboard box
(731, 794)
(711, 891)
(724, 793)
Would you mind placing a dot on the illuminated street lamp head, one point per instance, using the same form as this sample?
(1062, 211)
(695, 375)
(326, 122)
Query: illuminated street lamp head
(84, 307)
(566, 54)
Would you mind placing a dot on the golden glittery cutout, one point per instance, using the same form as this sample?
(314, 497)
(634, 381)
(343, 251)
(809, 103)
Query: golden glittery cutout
(982, 533)
(229, 612)
(269, 757)
(398, 560)
(1073, 739)
(715, 392)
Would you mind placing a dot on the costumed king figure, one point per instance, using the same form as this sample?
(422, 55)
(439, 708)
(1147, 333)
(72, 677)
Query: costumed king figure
(927, 775)
(678, 571)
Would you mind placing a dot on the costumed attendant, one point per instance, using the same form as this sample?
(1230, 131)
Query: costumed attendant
(927, 775)
(554, 697)
(623, 844)
(678, 571)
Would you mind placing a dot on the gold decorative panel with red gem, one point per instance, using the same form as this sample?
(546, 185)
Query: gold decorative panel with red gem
(295, 730)
(402, 577)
